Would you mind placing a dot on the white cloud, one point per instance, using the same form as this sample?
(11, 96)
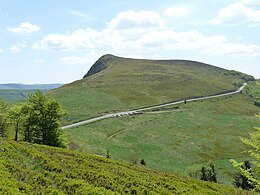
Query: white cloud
(131, 19)
(82, 38)
(18, 47)
(140, 42)
(237, 13)
(25, 27)
(177, 11)
(15, 49)
(1, 51)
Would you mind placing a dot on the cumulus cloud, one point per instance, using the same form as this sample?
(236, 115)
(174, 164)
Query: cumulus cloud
(177, 11)
(237, 13)
(25, 27)
(131, 19)
(15, 49)
(18, 47)
(140, 41)
(82, 38)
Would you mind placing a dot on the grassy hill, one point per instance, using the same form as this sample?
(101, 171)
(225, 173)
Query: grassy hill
(179, 139)
(34, 169)
(174, 139)
(115, 83)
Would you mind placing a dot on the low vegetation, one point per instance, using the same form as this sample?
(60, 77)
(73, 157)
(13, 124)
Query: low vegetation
(176, 139)
(253, 90)
(251, 174)
(36, 169)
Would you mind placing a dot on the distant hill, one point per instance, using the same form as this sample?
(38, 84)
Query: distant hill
(34, 169)
(11, 92)
(116, 83)
(13, 95)
(18, 86)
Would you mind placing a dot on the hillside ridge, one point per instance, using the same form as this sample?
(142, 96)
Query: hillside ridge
(115, 84)
(102, 63)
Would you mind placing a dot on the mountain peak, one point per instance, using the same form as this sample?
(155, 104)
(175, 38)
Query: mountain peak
(99, 65)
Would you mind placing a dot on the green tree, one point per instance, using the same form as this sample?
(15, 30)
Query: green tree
(213, 176)
(240, 180)
(203, 174)
(16, 116)
(252, 175)
(142, 162)
(208, 173)
(3, 118)
(42, 120)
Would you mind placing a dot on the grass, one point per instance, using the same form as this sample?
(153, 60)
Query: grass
(35, 169)
(177, 141)
(83, 102)
(12, 95)
(129, 83)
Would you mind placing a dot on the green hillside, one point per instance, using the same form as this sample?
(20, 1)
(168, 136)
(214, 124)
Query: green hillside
(34, 169)
(176, 139)
(115, 83)
(179, 139)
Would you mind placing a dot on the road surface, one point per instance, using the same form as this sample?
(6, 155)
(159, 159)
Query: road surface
(136, 111)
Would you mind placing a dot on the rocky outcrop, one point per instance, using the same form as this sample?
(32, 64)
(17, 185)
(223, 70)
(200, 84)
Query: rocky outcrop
(99, 65)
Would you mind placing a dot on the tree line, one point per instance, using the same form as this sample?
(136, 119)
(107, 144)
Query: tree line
(36, 120)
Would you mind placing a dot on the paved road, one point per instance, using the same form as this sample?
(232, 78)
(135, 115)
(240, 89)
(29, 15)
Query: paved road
(130, 112)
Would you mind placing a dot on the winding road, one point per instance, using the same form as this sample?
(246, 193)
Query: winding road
(136, 111)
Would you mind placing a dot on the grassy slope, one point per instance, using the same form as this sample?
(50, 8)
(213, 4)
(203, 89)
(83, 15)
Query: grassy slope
(12, 95)
(129, 83)
(177, 141)
(35, 169)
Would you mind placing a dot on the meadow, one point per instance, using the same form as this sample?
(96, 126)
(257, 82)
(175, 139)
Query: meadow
(176, 139)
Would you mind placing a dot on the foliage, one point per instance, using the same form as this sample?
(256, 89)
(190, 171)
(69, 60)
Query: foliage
(142, 162)
(42, 120)
(242, 76)
(240, 180)
(205, 173)
(208, 173)
(252, 175)
(27, 168)
(3, 118)
(253, 90)
(16, 117)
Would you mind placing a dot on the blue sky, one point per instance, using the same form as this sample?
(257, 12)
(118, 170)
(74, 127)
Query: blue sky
(57, 41)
